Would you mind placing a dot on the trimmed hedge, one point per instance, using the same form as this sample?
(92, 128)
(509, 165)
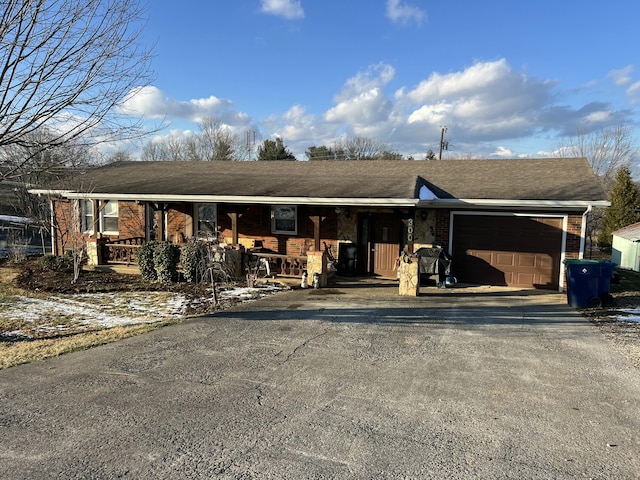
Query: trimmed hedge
(166, 257)
(194, 255)
(146, 262)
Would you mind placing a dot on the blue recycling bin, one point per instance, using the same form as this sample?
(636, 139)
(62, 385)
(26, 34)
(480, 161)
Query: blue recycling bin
(604, 283)
(583, 283)
(588, 282)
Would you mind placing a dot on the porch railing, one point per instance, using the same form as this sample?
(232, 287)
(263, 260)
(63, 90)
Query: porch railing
(121, 252)
(278, 264)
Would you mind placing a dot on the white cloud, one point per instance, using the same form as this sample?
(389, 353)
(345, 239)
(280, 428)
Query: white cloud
(365, 108)
(375, 77)
(634, 92)
(504, 152)
(289, 9)
(486, 106)
(487, 99)
(403, 14)
(152, 103)
(485, 103)
(622, 76)
(363, 100)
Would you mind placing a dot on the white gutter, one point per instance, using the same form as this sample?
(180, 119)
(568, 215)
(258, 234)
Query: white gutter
(525, 204)
(321, 201)
(242, 199)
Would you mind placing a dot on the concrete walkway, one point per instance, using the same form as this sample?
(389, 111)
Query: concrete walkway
(342, 383)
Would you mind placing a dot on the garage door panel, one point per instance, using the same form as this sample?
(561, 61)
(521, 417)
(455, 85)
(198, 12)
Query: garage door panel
(486, 256)
(505, 259)
(527, 260)
(545, 261)
(545, 280)
(508, 278)
(526, 279)
(508, 250)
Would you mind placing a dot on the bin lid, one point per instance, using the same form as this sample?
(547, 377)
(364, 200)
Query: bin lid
(580, 261)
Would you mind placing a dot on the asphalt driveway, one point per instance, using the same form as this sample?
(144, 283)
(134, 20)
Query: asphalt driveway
(339, 383)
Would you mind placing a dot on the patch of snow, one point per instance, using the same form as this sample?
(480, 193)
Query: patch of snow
(629, 315)
(248, 293)
(61, 313)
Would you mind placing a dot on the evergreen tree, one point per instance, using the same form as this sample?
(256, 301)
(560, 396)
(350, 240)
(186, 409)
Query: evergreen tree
(270, 150)
(624, 209)
(320, 153)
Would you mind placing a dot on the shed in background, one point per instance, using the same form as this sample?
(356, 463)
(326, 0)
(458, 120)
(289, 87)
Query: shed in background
(626, 247)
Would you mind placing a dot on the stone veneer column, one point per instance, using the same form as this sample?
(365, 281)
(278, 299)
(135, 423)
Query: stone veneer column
(409, 279)
(317, 263)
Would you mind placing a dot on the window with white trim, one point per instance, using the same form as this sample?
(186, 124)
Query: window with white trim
(284, 219)
(86, 210)
(207, 218)
(109, 217)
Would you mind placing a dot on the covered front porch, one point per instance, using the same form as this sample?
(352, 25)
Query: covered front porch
(278, 239)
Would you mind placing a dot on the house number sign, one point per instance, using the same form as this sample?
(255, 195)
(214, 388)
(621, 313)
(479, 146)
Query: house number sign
(410, 230)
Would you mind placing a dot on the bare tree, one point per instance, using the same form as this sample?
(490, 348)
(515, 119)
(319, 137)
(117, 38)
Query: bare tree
(214, 141)
(44, 166)
(68, 65)
(152, 151)
(360, 148)
(607, 150)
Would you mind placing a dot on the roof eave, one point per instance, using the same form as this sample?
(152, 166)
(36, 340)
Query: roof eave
(242, 199)
(475, 203)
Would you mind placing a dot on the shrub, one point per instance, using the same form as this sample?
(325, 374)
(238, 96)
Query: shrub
(193, 258)
(62, 264)
(146, 262)
(166, 257)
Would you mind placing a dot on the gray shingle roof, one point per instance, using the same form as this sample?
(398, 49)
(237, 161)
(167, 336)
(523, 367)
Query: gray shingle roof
(630, 232)
(566, 179)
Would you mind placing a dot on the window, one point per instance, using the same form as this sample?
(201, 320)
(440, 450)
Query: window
(86, 209)
(284, 219)
(109, 217)
(207, 218)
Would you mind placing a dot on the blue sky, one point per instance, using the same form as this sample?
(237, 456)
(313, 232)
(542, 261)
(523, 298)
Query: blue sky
(508, 78)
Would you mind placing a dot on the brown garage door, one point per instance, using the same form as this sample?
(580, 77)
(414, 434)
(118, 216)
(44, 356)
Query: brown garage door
(507, 250)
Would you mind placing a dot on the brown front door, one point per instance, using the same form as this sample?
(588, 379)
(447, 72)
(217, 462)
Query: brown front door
(379, 236)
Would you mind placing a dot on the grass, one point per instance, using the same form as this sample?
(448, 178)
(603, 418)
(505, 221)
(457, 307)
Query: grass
(629, 281)
(59, 335)
(27, 351)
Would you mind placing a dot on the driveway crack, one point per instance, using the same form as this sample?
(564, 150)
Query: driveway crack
(303, 345)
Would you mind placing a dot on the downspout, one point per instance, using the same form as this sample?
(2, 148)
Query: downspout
(583, 232)
(53, 230)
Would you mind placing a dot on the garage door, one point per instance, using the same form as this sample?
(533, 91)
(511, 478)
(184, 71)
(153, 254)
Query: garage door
(507, 250)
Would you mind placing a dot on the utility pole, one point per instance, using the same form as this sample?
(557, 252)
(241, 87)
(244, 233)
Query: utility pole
(443, 145)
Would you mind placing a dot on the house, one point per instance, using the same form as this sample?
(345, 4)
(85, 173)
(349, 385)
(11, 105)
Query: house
(504, 222)
(625, 249)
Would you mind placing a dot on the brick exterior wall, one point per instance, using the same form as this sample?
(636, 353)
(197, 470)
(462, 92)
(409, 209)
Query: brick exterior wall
(68, 221)
(443, 223)
(574, 230)
(179, 215)
(255, 224)
(131, 220)
(66, 226)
